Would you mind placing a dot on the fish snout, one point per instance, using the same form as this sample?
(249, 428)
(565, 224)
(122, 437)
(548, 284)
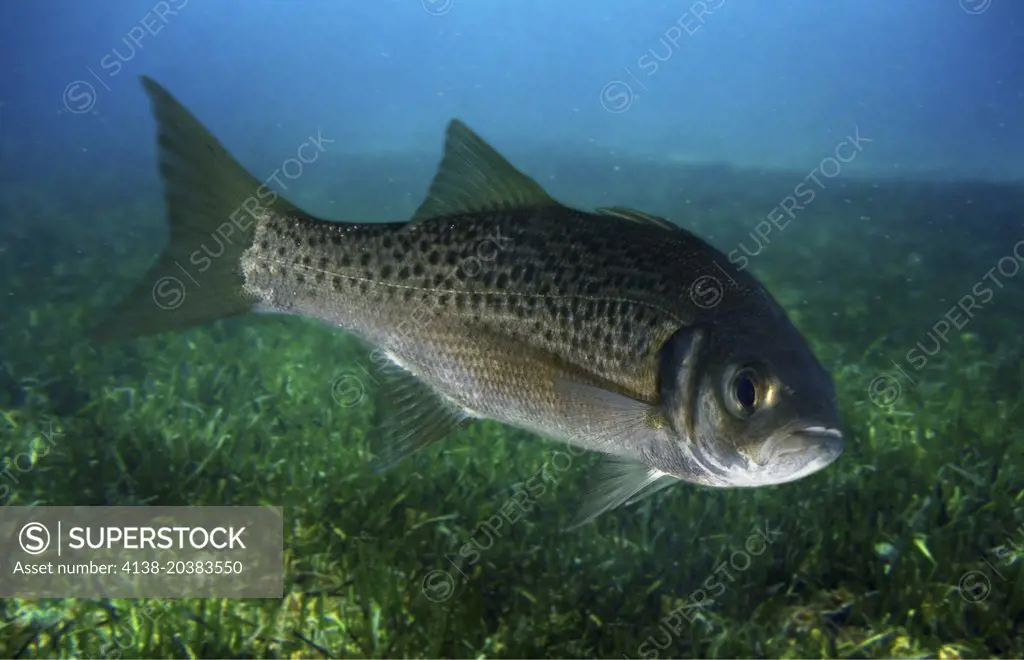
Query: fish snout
(804, 451)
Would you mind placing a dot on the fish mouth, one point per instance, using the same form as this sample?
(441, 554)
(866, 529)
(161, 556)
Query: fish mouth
(796, 454)
(784, 457)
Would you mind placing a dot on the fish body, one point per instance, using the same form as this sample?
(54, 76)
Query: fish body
(490, 308)
(613, 330)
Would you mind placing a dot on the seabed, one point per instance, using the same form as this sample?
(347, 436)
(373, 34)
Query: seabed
(908, 546)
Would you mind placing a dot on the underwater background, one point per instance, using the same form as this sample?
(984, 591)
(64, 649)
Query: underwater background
(866, 158)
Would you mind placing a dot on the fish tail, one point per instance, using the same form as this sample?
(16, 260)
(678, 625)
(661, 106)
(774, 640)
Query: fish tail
(212, 203)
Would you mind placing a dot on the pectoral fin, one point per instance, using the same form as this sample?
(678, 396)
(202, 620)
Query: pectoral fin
(608, 421)
(621, 427)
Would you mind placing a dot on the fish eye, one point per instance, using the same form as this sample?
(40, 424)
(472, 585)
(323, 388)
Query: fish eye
(745, 392)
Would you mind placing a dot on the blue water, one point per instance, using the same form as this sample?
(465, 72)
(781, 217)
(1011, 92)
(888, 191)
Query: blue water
(936, 84)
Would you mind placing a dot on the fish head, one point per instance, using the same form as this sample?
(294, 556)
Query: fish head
(752, 406)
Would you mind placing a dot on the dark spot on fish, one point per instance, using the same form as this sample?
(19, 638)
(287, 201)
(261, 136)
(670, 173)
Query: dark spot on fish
(434, 258)
(549, 335)
(403, 274)
(364, 259)
(407, 294)
(364, 286)
(502, 281)
(444, 299)
(528, 273)
(451, 258)
(320, 278)
(323, 263)
(306, 260)
(263, 245)
(424, 246)
(386, 242)
(477, 300)
(417, 270)
(439, 279)
(313, 241)
(301, 279)
(345, 261)
(281, 251)
(336, 239)
(385, 271)
(337, 282)
(460, 301)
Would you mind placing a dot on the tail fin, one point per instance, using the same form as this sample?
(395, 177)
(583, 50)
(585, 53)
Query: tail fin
(198, 277)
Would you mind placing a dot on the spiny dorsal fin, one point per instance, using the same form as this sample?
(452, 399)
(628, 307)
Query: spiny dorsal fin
(473, 177)
(636, 216)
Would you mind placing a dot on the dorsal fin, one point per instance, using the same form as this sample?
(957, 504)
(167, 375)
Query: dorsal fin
(637, 216)
(473, 177)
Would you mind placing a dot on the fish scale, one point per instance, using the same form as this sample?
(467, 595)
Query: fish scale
(582, 300)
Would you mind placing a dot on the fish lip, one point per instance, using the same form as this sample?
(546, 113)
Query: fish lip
(787, 456)
(827, 443)
(824, 442)
(830, 438)
(821, 431)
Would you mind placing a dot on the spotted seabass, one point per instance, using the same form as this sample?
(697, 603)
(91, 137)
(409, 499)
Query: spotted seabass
(613, 330)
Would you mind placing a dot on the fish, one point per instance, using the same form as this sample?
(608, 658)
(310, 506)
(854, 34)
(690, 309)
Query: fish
(613, 330)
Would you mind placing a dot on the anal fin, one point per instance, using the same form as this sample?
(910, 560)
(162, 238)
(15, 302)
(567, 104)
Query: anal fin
(411, 415)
